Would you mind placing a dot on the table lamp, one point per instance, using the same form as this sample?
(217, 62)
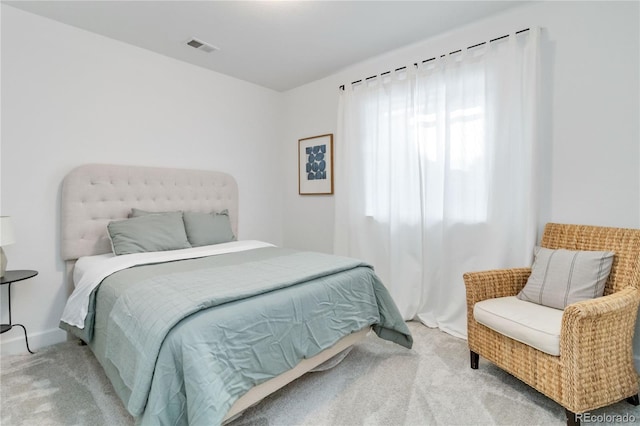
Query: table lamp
(6, 238)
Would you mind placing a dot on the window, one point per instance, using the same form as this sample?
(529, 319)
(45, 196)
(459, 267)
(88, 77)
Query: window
(431, 142)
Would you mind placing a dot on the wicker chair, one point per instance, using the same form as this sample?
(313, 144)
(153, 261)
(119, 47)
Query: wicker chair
(595, 365)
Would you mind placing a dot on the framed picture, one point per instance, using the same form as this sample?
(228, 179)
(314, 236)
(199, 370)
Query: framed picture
(315, 165)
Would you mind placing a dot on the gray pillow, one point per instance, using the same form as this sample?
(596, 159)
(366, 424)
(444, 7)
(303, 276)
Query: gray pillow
(205, 229)
(562, 277)
(154, 232)
(138, 212)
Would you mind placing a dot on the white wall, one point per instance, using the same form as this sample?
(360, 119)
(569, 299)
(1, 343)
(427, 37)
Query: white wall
(589, 133)
(71, 97)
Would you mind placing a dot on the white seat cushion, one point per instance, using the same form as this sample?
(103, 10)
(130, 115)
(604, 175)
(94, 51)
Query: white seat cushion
(535, 325)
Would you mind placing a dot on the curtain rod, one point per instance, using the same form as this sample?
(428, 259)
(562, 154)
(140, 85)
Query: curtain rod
(415, 64)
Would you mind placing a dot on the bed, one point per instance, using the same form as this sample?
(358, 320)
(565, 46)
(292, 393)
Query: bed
(195, 335)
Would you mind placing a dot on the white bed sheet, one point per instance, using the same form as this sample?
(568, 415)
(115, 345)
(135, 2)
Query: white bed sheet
(91, 270)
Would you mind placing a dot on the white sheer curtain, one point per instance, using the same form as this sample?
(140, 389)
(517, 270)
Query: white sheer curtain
(435, 174)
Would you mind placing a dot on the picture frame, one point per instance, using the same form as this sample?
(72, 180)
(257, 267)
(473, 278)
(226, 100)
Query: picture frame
(315, 165)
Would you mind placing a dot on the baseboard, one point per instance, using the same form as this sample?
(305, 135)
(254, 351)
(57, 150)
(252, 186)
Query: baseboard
(15, 344)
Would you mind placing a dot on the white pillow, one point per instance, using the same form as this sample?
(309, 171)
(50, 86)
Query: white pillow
(562, 277)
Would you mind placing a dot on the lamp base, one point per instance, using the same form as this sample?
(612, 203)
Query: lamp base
(3, 263)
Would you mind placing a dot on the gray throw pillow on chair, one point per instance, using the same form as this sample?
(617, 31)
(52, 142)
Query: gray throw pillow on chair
(562, 277)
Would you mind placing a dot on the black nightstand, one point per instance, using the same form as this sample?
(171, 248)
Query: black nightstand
(12, 277)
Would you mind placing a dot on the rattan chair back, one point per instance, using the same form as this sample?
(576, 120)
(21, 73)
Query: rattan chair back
(624, 242)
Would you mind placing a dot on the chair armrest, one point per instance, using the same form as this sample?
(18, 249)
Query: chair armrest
(602, 321)
(496, 283)
(598, 330)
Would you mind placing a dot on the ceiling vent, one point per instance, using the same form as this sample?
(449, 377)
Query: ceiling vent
(201, 45)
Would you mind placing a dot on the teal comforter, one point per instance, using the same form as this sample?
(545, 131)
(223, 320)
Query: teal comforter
(182, 341)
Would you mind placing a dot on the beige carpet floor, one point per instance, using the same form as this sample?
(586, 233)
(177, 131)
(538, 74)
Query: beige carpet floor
(379, 383)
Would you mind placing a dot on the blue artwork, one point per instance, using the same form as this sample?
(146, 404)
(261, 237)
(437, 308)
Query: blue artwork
(316, 165)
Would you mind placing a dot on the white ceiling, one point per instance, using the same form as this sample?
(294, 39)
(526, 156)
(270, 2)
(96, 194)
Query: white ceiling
(275, 44)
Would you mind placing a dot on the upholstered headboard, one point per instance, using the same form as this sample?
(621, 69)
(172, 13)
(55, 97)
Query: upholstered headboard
(95, 194)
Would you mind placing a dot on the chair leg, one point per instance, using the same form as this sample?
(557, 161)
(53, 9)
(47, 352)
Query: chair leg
(572, 419)
(475, 360)
(634, 400)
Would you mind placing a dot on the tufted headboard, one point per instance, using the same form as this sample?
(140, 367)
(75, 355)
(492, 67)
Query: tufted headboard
(95, 194)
